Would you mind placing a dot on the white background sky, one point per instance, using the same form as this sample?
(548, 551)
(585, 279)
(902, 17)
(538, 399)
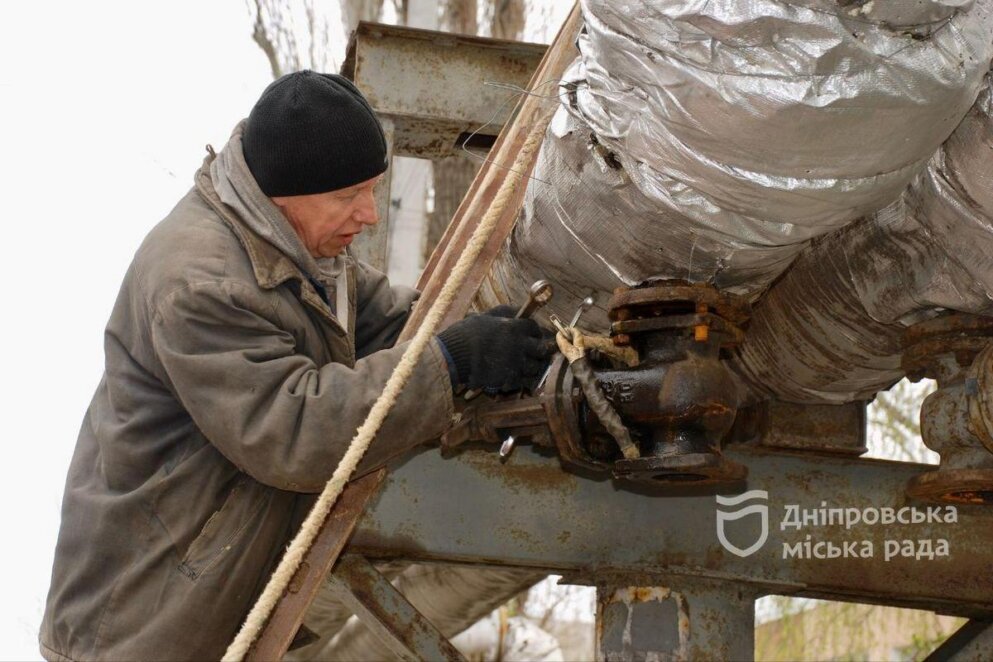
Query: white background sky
(105, 108)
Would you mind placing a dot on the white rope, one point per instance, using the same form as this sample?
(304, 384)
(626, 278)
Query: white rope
(291, 560)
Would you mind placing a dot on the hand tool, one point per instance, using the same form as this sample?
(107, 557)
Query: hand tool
(584, 305)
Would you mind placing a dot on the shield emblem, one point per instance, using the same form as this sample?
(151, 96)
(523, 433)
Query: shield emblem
(760, 509)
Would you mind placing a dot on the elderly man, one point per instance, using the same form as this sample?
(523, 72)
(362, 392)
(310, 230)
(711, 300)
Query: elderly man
(245, 348)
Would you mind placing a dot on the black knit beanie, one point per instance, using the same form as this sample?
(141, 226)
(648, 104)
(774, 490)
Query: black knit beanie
(312, 133)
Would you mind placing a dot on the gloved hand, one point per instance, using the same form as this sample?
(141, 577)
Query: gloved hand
(495, 351)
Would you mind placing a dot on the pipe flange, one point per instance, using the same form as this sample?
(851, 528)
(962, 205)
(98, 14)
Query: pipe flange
(731, 307)
(687, 469)
(979, 390)
(560, 400)
(731, 334)
(953, 486)
(960, 335)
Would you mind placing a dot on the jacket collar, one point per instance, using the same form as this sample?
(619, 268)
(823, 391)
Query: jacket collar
(270, 265)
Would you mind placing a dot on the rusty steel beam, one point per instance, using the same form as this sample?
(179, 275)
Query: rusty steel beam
(530, 513)
(439, 88)
(286, 618)
(384, 610)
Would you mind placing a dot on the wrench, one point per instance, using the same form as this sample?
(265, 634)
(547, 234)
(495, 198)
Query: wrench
(584, 305)
(539, 294)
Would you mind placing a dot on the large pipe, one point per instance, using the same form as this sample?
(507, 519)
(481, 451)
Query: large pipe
(714, 140)
(830, 330)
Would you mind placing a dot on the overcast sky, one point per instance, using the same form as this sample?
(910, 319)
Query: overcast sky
(105, 108)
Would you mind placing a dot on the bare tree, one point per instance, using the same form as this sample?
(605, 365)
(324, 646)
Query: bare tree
(506, 19)
(459, 16)
(353, 11)
(292, 35)
(894, 422)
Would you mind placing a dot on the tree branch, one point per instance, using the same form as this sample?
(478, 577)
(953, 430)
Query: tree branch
(261, 37)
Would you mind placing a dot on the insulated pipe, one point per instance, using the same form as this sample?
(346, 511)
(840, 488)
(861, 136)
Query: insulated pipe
(830, 330)
(713, 141)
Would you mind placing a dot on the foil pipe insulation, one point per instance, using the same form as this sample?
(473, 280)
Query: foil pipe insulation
(713, 140)
(830, 330)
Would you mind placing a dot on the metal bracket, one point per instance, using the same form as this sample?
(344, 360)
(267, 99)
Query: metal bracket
(972, 641)
(384, 610)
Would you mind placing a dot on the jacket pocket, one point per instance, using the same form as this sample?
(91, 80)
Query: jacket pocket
(227, 528)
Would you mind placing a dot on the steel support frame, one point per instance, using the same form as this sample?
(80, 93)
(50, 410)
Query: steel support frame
(438, 88)
(384, 610)
(528, 512)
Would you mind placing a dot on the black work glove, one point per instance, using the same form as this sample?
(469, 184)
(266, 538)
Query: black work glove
(495, 352)
(548, 344)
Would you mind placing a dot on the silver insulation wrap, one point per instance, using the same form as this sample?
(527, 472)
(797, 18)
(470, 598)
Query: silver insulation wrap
(831, 329)
(712, 140)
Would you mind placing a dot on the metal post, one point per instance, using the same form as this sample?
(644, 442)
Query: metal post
(696, 620)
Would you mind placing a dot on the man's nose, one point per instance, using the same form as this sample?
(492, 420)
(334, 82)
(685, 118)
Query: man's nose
(367, 211)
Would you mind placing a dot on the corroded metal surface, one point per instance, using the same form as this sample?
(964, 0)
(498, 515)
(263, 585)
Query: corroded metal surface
(834, 429)
(957, 351)
(385, 611)
(960, 335)
(680, 400)
(484, 188)
(530, 513)
(437, 87)
(656, 295)
(696, 620)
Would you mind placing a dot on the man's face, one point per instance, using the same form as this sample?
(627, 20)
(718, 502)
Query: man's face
(327, 222)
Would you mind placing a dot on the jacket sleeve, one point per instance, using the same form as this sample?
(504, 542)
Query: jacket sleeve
(381, 310)
(272, 412)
